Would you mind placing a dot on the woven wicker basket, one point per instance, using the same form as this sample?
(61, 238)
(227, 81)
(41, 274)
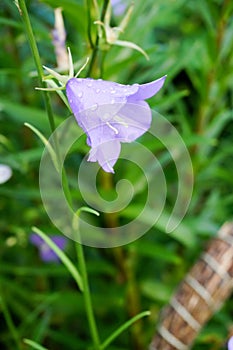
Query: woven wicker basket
(199, 296)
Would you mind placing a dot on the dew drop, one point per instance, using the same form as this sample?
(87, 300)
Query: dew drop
(80, 94)
(97, 91)
(94, 107)
(106, 116)
(113, 91)
(89, 85)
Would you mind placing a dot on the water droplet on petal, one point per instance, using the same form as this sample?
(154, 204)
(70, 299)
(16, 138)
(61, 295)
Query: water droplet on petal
(112, 101)
(71, 100)
(113, 91)
(97, 91)
(106, 116)
(89, 85)
(80, 94)
(94, 107)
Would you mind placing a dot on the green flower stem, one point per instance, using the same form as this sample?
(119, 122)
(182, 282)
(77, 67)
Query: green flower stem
(9, 322)
(83, 270)
(36, 56)
(89, 23)
(87, 296)
(48, 106)
(96, 46)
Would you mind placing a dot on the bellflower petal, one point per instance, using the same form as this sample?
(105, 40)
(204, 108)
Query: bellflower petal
(150, 89)
(35, 240)
(110, 113)
(106, 154)
(89, 93)
(133, 120)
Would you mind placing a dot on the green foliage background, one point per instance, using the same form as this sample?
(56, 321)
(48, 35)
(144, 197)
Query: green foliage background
(190, 41)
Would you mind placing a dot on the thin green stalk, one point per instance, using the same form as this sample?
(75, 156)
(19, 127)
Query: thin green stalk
(10, 323)
(89, 22)
(96, 46)
(122, 328)
(83, 271)
(36, 56)
(35, 52)
(34, 345)
(66, 261)
(48, 106)
(87, 296)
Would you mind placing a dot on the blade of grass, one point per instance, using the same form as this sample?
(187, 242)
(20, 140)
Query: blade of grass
(46, 143)
(122, 328)
(34, 345)
(10, 322)
(66, 261)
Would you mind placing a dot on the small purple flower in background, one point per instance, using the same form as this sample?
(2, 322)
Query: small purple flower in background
(59, 40)
(110, 113)
(118, 7)
(5, 173)
(46, 253)
(230, 343)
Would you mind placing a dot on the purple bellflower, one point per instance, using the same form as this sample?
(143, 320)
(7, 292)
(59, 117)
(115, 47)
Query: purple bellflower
(46, 253)
(110, 113)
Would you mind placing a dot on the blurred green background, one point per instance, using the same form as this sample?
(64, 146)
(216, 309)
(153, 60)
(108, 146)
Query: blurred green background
(190, 41)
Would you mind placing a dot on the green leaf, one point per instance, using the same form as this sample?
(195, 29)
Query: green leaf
(157, 291)
(21, 114)
(122, 328)
(157, 251)
(46, 143)
(34, 345)
(182, 233)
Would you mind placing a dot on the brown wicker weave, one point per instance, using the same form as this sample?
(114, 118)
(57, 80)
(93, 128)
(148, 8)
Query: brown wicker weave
(201, 293)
